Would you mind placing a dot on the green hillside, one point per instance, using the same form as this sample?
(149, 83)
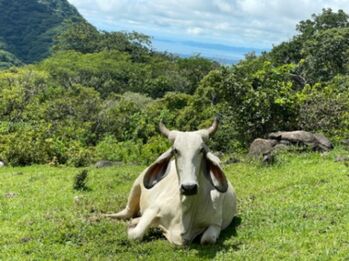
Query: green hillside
(27, 27)
(101, 95)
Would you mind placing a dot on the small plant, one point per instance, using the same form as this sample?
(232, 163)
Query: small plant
(80, 180)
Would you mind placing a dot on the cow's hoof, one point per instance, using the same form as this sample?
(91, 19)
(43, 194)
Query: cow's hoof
(134, 235)
(133, 223)
(208, 240)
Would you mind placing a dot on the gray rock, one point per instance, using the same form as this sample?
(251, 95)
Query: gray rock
(281, 147)
(345, 142)
(259, 147)
(342, 158)
(323, 143)
(10, 195)
(269, 158)
(104, 164)
(232, 160)
(294, 136)
(317, 141)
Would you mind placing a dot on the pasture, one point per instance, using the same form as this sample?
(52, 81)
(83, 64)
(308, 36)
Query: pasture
(297, 209)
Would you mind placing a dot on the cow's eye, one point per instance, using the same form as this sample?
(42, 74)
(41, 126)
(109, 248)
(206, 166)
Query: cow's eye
(175, 151)
(202, 150)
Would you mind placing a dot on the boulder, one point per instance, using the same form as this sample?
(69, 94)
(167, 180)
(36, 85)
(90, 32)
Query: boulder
(345, 142)
(342, 158)
(295, 137)
(231, 160)
(316, 141)
(323, 143)
(103, 164)
(261, 147)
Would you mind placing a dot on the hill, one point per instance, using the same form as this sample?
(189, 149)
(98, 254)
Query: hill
(27, 27)
(101, 95)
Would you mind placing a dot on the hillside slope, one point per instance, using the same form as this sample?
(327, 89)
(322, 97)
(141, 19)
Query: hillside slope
(27, 27)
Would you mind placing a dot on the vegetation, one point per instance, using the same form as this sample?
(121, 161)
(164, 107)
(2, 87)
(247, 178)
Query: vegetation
(95, 95)
(101, 95)
(298, 209)
(27, 27)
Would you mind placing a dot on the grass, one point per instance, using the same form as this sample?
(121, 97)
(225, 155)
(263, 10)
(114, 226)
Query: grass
(297, 209)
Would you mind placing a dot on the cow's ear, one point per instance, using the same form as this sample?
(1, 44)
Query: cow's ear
(158, 170)
(215, 174)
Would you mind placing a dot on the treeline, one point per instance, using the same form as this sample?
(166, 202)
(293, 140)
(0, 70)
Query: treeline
(101, 95)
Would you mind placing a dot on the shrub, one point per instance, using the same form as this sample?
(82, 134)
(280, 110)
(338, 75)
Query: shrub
(111, 149)
(155, 146)
(325, 108)
(80, 180)
(79, 156)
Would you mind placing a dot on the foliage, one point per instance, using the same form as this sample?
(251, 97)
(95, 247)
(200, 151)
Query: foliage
(84, 38)
(28, 27)
(8, 60)
(101, 95)
(325, 108)
(80, 180)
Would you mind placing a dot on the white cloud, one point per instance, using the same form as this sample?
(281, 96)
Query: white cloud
(257, 23)
(194, 30)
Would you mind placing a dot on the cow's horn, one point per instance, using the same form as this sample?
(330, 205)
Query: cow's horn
(211, 130)
(163, 129)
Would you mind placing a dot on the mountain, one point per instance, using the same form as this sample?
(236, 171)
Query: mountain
(28, 27)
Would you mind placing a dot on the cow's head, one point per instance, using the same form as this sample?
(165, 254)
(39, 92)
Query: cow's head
(191, 156)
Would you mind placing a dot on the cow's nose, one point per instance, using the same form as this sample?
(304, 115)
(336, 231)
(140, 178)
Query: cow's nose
(189, 189)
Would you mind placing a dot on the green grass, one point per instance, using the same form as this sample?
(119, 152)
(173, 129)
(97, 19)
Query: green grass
(297, 209)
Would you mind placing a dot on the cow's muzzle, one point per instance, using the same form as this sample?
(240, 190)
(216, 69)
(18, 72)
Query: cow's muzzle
(189, 189)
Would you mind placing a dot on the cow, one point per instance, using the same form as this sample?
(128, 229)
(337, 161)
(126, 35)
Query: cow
(184, 192)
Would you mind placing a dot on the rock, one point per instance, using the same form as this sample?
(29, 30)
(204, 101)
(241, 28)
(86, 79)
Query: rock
(104, 164)
(269, 158)
(232, 160)
(285, 142)
(345, 142)
(281, 147)
(10, 195)
(219, 154)
(342, 158)
(77, 199)
(2, 164)
(316, 141)
(294, 137)
(324, 143)
(260, 147)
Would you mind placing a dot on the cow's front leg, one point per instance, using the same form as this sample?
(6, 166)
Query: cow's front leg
(144, 222)
(210, 235)
(134, 222)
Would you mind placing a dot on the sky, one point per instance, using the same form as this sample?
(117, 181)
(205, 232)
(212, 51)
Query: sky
(221, 29)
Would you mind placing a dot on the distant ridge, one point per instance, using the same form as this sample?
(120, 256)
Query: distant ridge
(28, 27)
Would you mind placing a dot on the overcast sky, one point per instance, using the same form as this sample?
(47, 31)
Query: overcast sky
(209, 27)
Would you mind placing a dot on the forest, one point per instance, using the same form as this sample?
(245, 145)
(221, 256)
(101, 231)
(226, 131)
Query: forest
(100, 95)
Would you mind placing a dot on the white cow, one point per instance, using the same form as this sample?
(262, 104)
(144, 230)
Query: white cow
(184, 192)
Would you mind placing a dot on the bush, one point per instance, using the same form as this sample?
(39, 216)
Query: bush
(80, 180)
(79, 156)
(111, 149)
(155, 146)
(326, 108)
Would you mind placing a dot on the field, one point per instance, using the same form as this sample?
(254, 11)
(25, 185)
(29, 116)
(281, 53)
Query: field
(297, 209)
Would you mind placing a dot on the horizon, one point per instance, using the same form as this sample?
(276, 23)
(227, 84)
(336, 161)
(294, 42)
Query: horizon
(220, 29)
